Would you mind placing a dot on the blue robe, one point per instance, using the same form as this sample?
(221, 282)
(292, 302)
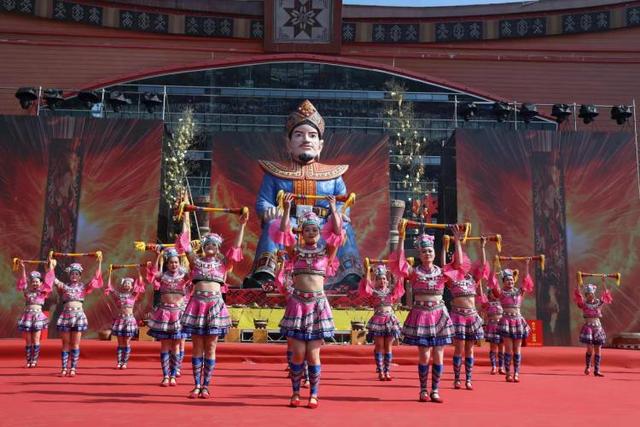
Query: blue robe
(350, 262)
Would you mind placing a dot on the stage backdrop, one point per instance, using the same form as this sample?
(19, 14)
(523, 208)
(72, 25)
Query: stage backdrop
(570, 195)
(236, 179)
(75, 184)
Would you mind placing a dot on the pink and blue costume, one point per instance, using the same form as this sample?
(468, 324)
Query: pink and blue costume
(33, 319)
(592, 332)
(125, 325)
(164, 323)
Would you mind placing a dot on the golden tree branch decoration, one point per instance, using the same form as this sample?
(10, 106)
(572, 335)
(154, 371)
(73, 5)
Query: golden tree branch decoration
(174, 163)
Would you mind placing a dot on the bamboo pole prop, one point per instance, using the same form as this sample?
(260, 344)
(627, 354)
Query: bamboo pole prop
(186, 207)
(604, 276)
(144, 246)
(407, 223)
(15, 262)
(497, 238)
(96, 254)
(348, 199)
(541, 258)
(369, 261)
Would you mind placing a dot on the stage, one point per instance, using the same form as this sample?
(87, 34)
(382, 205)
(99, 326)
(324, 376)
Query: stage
(250, 388)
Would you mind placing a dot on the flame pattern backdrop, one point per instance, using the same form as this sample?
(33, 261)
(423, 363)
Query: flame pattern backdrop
(76, 184)
(237, 178)
(571, 195)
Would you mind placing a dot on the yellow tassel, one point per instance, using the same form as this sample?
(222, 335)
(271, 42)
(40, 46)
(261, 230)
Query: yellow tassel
(516, 273)
(447, 242)
(411, 261)
(579, 275)
(140, 246)
(542, 259)
(496, 263)
(618, 277)
(16, 264)
(367, 264)
(499, 243)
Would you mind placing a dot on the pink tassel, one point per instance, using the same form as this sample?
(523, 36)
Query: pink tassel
(49, 280)
(332, 266)
(606, 297)
(234, 254)
(493, 282)
(364, 288)
(398, 289)
(330, 237)
(21, 284)
(452, 273)
(480, 271)
(527, 284)
(151, 276)
(578, 298)
(95, 283)
(398, 264)
(286, 238)
(138, 286)
(109, 288)
(482, 299)
(183, 243)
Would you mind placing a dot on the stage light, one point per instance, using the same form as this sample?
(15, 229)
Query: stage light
(89, 97)
(561, 112)
(52, 97)
(151, 101)
(117, 100)
(26, 96)
(528, 112)
(468, 110)
(501, 110)
(588, 113)
(621, 113)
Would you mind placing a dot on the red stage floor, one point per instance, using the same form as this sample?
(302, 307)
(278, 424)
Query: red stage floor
(250, 388)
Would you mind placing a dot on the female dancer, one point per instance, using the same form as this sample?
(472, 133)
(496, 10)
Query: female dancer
(125, 325)
(308, 319)
(493, 311)
(164, 324)
(33, 320)
(72, 320)
(428, 325)
(592, 333)
(206, 317)
(513, 327)
(383, 325)
(467, 323)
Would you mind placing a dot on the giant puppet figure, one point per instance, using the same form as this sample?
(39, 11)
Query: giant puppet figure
(303, 175)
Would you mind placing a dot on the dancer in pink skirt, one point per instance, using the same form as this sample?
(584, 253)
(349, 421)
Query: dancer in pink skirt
(383, 326)
(493, 313)
(428, 325)
(33, 321)
(125, 325)
(513, 327)
(164, 324)
(72, 321)
(467, 323)
(592, 333)
(308, 319)
(206, 317)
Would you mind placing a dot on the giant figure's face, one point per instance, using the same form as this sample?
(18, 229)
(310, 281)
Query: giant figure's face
(305, 144)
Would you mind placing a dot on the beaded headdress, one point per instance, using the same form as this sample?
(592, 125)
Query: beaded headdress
(306, 113)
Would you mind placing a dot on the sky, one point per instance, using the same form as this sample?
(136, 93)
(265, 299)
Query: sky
(423, 3)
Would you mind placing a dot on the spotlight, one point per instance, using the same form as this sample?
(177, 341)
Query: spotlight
(151, 101)
(501, 110)
(52, 97)
(528, 111)
(89, 97)
(26, 96)
(561, 112)
(621, 113)
(588, 113)
(468, 110)
(117, 100)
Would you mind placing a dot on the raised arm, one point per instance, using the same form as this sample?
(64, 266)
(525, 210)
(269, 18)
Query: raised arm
(183, 243)
(21, 283)
(577, 297)
(96, 280)
(234, 254)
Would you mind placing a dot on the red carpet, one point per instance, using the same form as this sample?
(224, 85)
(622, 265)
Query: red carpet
(250, 388)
